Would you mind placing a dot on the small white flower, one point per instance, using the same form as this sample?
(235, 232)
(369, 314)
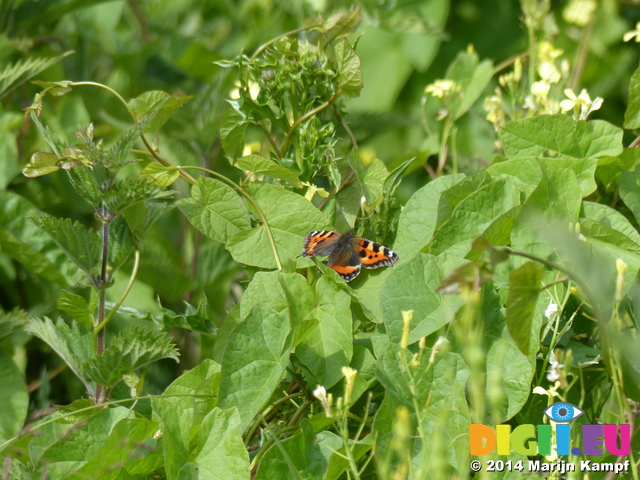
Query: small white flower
(551, 309)
(321, 394)
(434, 351)
(633, 34)
(582, 103)
(554, 369)
(440, 88)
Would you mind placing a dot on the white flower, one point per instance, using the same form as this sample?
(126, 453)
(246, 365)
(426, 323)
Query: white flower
(633, 34)
(551, 309)
(554, 369)
(434, 351)
(440, 88)
(582, 102)
(321, 394)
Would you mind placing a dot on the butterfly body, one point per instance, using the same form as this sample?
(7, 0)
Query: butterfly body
(347, 254)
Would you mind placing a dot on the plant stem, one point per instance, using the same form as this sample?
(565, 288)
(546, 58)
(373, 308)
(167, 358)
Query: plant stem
(250, 199)
(102, 292)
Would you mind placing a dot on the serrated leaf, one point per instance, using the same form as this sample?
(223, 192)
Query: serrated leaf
(264, 166)
(134, 347)
(254, 361)
(524, 289)
(159, 174)
(350, 75)
(120, 243)
(85, 184)
(14, 398)
(158, 104)
(632, 113)
(74, 345)
(83, 246)
(11, 325)
(15, 74)
(77, 307)
(215, 209)
(124, 194)
(69, 411)
(562, 135)
(41, 163)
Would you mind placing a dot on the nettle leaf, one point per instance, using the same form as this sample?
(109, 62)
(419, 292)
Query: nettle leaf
(12, 324)
(254, 361)
(122, 195)
(290, 217)
(17, 73)
(215, 209)
(350, 79)
(14, 398)
(159, 174)
(472, 77)
(632, 114)
(561, 135)
(232, 129)
(524, 289)
(84, 182)
(134, 347)
(77, 307)
(73, 344)
(120, 243)
(82, 245)
(260, 165)
(158, 104)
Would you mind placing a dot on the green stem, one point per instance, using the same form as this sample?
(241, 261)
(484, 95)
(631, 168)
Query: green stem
(276, 256)
(132, 278)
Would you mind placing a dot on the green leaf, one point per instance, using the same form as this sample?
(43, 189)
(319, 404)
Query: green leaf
(259, 165)
(329, 346)
(632, 114)
(288, 225)
(14, 398)
(350, 76)
(215, 209)
(339, 25)
(419, 216)
(630, 191)
(13, 75)
(84, 181)
(182, 410)
(561, 135)
(82, 246)
(12, 325)
(160, 105)
(134, 347)
(472, 77)
(77, 307)
(41, 163)
(232, 128)
(74, 345)
(524, 289)
(159, 174)
(128, 442)
(254, 361)
(221, 453)
(124, 194)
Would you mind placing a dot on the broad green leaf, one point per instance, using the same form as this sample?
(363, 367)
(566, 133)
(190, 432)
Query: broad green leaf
(471, 77)
(288, 225)
(329, 346)
(524, 290)
(412, 286)
(74, 450)
(77, 307)
(159, 174)
(264, 166)
(41, 163)
(132, 348)
(418, 217)
(14, 398)
(158, 104)
(254, 361)
(373, 181)
(468, 208)
(13, 75)
(562, 135)
(74, 345)
(445, 422)
(215, 209)
(630, 191)
(232, 128)
(127, 443)
(83, 246)
(221, 453)
(350, 75)
(632, 114)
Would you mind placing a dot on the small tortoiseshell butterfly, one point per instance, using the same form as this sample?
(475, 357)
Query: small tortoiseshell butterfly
(346, 252)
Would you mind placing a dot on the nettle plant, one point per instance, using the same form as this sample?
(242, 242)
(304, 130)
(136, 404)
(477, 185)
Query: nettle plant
(308, 373)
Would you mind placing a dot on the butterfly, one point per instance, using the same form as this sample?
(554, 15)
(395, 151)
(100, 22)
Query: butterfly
(347, 253)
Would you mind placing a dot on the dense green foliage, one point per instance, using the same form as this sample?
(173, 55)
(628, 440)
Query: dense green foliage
(162, 162)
